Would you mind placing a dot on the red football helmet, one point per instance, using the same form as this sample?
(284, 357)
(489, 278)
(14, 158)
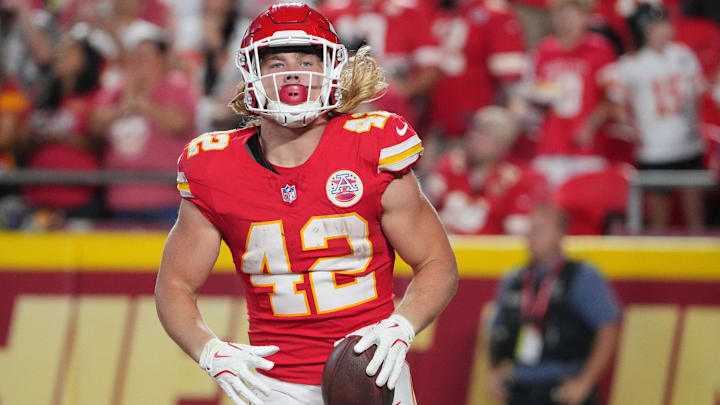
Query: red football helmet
(291, 25)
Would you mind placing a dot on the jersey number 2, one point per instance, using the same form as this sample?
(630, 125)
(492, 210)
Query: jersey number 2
(267, 262)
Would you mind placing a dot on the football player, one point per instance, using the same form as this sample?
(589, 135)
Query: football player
(313, 202)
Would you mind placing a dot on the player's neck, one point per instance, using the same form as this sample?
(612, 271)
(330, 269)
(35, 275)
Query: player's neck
(290, 147)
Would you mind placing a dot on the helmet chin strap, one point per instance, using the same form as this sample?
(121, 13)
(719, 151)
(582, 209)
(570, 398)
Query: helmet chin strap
(294, 116)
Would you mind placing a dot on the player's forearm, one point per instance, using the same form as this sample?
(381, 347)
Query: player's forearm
(602, 351)
(429, 292)
(179, 315)
(190, 251)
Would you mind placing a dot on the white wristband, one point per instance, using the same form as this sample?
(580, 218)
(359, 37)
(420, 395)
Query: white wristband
(405, 325)
(212, 346)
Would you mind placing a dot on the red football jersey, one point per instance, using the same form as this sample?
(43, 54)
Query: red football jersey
(306, 241)
(574, 78)
(483, 47)
(487, 206)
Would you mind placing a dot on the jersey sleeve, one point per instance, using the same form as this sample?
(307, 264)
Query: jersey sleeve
(193, 182)
(399, 146)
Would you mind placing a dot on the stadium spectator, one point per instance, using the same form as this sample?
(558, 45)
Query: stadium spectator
(556, 325)
(223, 29)
(662, 83)
(398, 33)
(220, 19)
(476, 190)
(114, 23)
(484, 54)
(115, 13)
(145, 121)
(59, 134)
(14, 107)
(566, 79)
(607, 18)
(26, 34)
(535, 20)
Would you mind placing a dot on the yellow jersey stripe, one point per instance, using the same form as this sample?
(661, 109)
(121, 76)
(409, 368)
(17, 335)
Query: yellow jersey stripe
(396, 158)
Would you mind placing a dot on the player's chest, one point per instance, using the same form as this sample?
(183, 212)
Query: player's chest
(330, 184)
(328, 208)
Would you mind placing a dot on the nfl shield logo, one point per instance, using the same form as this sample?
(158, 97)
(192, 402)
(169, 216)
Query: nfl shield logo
(288, 193)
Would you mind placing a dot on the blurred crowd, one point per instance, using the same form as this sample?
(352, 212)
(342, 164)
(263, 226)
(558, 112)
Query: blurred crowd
(518, 101)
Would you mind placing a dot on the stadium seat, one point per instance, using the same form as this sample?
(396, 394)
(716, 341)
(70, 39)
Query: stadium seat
(592, 199)
(57, 157)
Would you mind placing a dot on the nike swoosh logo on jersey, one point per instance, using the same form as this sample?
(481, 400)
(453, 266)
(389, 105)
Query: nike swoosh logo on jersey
(219, 356)
(401, 131)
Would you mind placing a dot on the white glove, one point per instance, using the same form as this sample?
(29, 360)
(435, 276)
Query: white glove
(393, 337)
(229, 365)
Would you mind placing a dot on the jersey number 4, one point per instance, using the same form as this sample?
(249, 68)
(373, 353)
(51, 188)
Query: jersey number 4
(267, 262)
(363, 122)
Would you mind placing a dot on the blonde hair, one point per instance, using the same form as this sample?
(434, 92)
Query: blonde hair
(362, 81)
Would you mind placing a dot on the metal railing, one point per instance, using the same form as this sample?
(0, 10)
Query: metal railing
(77, 177)
(660, 179)
(638, 182)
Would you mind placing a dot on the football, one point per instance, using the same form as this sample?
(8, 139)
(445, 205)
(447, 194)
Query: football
(344, 381)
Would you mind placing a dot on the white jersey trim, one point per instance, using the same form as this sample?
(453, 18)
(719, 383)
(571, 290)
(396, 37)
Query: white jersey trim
(183, 186)
(399, 148)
